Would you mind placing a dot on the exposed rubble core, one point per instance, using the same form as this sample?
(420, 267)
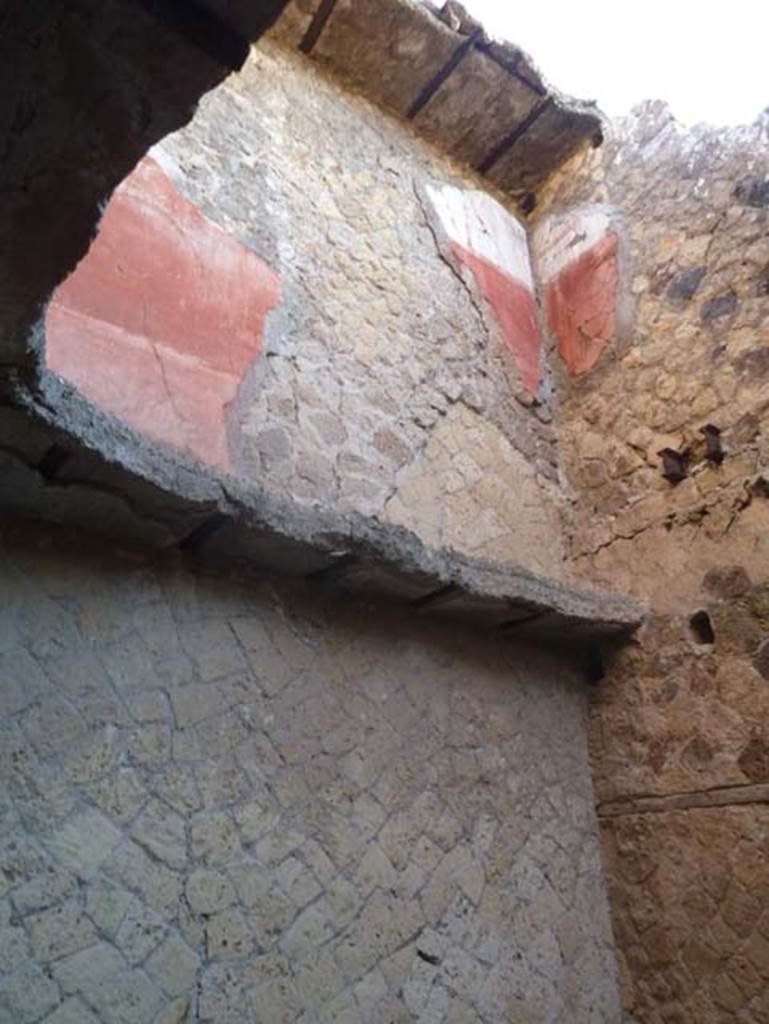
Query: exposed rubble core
(479, 99)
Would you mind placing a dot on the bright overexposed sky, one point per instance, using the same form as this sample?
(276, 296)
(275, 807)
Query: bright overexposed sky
(709, 60)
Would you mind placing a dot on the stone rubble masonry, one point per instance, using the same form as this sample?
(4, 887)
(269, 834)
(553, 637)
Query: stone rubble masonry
(479, 100)
(706, 956)
(225, 801)
(158, 503)
(686, 829)
(229, 801)
(153, 763)
(497, 510)
(690, 241)
(701, 727)
(679, 741)
(161, 319)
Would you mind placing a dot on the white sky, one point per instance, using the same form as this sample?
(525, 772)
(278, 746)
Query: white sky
(709, 60)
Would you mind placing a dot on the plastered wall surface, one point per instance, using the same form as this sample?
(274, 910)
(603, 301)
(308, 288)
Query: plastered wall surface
(140, 329)
(227, 802)
(394, 352)
(679, 739)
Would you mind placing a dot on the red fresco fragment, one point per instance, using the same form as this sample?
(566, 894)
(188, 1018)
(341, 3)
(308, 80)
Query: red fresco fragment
(581, 305)
(162, 318)
(516, 311)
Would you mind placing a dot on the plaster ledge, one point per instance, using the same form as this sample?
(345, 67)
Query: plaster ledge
(67, 462)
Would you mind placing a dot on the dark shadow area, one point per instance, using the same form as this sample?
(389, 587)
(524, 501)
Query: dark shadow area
(87, 88)
(702, 628)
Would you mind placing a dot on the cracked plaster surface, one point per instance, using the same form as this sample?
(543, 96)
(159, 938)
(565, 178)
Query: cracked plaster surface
(224, 803)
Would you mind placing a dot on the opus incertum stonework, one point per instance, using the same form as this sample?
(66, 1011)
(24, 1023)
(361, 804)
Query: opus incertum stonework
(385, 539)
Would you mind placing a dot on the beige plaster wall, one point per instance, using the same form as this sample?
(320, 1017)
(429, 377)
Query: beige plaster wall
(234, 802)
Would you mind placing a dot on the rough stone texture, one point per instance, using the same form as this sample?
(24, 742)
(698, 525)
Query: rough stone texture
(135, 492)
(689, 717)
(706, 958)
(678, 193)
(138, 326)
(154, 88)
(206, 812)
(555, 135)
(679, 743)
(465, 363)
(414, 48)
(480, 99)
(378, 338)
(224, 802)
(110, 787)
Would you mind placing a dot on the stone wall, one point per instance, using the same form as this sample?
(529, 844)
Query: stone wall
(694, 208)
(226, 801)
(679, 516)
(397, 373)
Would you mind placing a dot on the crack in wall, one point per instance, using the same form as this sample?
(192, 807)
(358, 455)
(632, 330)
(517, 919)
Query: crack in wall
(450, 262)
(698, 799)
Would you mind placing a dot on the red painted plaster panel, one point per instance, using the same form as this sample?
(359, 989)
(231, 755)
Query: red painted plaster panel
(162, 318)
(516, 311)
(581, 304)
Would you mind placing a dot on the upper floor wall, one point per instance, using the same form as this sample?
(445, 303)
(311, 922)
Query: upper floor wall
(297, 291)
(663, 316)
